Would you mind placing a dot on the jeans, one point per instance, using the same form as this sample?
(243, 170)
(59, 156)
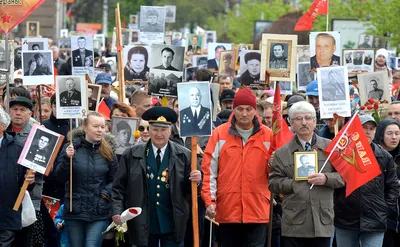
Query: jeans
(349, 238)
(85, 234)
(6, 238)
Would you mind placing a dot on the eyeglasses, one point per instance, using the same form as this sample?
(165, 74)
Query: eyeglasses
(307, 118)
(142, 128)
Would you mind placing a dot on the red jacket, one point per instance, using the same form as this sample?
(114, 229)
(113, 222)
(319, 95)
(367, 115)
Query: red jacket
(236, 176)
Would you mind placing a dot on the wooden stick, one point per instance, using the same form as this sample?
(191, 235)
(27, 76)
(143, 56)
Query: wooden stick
(212, 220)
(70, 167)
(121, 76)
(271, 214)
(22, 192)
(195, 216)
(39, 94)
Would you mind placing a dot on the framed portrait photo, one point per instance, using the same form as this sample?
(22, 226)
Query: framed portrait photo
(250, 61)
(195, 108)
(279, 57)
(123, 129)
(374, 85)
(365, 40)
(37, 67)
(358, 60)
(324, 49)
(305, 164)
(151, 24)
(35, 44)
(170, 13)
(93, 95)
(71, 97)
(40, 149)
(227, 63)
(133, 22)
(32, 29)
(194, 44)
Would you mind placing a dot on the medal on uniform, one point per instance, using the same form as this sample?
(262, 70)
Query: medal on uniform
(147, 175)
(163, 179)
(151, 176)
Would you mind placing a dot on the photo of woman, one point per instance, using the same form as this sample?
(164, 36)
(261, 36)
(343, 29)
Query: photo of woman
(32, 67)
(136, 66)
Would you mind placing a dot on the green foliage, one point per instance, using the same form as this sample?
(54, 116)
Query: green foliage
(238, 24)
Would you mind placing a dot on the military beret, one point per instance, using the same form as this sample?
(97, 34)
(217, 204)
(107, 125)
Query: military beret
(252, 55)
(160, 116)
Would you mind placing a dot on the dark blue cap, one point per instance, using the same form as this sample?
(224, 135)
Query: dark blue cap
(103, 78)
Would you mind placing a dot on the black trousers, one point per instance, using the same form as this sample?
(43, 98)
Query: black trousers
(243, 235)
(6, 238)
(305, 242)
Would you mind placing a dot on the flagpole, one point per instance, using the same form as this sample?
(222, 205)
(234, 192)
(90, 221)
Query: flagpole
(340, 138)
(327, 15)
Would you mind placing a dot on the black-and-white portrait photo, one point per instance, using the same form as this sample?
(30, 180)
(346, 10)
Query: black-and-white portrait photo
(167, 57)
(170, 13)
(152, 24)
(39, 149)
(227, 63)
(190, 73)
(102, 39)
(71, 97)
(304, 75)
(210, 36)
(306, 163)
(164, 82)
(200, 61)
(348, 56)
(278, 58)
(365, 41)
(250, 65)
(214, 54)
(333, 90)
(379, 42)
(93, 94)
(357, 58)
(325, 49)
(64, 44)
(82, 51)
(303, 53)
(37, 67)
(35, 44)
(194, 109)
(64, 33)
(286, 87)
(374, 85)
(123, 130)
(136, 62)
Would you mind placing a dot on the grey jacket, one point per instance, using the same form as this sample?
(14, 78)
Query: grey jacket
(305, 213)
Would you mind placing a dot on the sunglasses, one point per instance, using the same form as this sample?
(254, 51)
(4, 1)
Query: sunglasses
(142, 128)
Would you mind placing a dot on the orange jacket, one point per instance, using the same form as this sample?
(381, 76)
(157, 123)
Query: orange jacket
(236, 176)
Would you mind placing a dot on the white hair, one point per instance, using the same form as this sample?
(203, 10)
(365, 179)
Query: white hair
(4, 118)
(301, 107)
(55, 48)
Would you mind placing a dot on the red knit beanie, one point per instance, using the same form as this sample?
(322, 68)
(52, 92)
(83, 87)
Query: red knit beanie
(244, 97)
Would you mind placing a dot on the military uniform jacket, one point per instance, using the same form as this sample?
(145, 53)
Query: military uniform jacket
(131, 189)
(43, 69)
(192, 127)
(76, 57)
(92, 104)
(279, 63)
(152, 28)
(73, 100)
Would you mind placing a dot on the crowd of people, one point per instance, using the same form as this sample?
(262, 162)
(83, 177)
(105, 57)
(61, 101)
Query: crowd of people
(236, 170)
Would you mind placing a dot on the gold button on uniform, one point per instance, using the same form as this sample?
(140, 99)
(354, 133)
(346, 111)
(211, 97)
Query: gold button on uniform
(158, 195)
(158, 186)
(158, 203)
(158, 178)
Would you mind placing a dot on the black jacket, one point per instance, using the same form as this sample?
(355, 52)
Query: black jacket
(11, 180)
(130, 190)
(367, 208)
(394, 218)
(92, 177)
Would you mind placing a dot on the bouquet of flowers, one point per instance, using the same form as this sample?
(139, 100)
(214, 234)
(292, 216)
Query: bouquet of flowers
(128, 214)
(376, 106)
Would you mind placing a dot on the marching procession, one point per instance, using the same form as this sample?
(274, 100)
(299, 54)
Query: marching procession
(159, 137)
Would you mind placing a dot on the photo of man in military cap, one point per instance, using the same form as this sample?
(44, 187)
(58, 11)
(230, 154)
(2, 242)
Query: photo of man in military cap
(123, 129)
(41, 148)
(278, 56)
(152, 22)
(227, 63)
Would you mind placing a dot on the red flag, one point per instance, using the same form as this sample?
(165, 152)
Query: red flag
(282, 134)
(52, 204)
(307, 20)
(352, 156)
(103, 109)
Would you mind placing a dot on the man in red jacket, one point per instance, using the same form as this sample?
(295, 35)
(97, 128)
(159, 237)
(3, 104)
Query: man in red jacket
(235, 184)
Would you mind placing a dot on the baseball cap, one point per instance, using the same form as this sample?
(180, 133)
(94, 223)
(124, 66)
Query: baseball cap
(18, 74)
(367, 118)
(19, 100)
(312, 88)
(103, 78)
(227, 95)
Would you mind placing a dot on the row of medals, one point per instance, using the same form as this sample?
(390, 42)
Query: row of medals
(164, 176)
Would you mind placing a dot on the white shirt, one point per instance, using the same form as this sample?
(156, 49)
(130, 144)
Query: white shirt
(162, 151)
(303, 143)
(197, 109)
(1, 140)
